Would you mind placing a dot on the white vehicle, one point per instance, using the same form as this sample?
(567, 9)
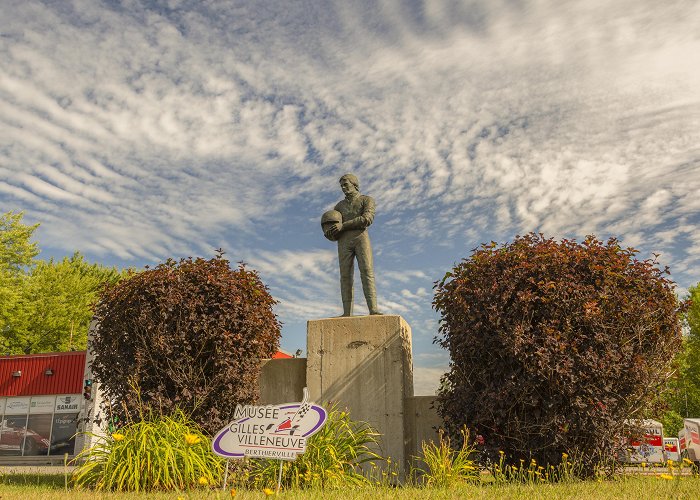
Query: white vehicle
(692, 438)
(681, 442)
(672, 449)
(649, 449)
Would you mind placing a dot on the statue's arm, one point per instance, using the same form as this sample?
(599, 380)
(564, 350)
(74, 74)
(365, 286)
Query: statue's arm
(365, 219)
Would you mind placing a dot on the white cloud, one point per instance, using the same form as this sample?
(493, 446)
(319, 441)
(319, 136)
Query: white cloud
(139, 133)
(427, 380)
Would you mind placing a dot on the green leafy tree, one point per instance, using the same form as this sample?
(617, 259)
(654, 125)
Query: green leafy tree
(17, 253)
(60, 295)
(554, 345)
(683, 395)
(188, 335)
(45, 306)
(690, 378)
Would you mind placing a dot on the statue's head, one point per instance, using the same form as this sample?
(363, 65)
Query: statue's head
(349, 183)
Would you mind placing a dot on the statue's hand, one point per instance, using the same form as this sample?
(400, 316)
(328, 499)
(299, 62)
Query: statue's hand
(335, 229)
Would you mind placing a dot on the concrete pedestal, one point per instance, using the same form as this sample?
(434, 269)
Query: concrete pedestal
(365, 364)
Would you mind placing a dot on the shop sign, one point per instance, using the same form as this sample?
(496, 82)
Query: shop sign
(17, 406)
(274, 431)
(68, 403)
(42, 404)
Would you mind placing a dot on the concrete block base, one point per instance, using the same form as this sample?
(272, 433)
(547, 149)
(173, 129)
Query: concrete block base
(364, 363)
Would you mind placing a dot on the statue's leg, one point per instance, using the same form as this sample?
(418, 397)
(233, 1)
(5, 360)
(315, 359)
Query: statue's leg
(366, 265)
(346, 262)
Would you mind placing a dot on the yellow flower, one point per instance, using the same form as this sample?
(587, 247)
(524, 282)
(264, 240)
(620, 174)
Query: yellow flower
(666, 476)
(268, 492)
(233, 492)
(117, 437)
(687, 460)
(644, 464)
(564, 456)
(203, 481)
(192, 438)
(501, 452)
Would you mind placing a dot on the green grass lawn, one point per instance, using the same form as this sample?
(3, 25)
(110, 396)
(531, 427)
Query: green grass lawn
(33, 486)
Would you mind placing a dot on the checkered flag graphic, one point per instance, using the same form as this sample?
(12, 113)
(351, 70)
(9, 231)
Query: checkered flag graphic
(304, 407)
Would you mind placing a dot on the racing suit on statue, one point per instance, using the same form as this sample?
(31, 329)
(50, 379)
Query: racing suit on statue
(353, 241)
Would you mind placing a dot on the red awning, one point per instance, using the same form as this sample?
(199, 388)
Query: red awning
(35, 374)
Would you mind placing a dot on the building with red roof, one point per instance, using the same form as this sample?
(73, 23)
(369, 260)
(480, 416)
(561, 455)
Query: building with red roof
(43, 398)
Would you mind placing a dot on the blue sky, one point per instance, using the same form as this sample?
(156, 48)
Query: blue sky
(137, 131)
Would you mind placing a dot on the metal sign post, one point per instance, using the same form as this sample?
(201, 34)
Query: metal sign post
(279, 478)
(226, 474)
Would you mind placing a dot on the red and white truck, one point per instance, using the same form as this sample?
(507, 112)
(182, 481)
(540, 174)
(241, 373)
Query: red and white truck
(691, 428)
(672, 449)
(650, 448)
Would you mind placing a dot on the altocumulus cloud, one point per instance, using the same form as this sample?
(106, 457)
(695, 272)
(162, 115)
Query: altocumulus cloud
(136, 131)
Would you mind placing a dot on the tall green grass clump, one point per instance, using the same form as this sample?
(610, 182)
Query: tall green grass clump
(333, 457)
(445, 467)
(159, 452)
(566, 471)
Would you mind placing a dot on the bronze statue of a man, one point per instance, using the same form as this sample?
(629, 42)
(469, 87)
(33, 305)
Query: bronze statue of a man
(347, 224)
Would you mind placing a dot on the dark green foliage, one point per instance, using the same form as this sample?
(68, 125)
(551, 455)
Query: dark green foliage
(189, 334)
(553, 345)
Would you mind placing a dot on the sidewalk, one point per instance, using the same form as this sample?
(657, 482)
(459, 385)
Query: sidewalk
(34, 469)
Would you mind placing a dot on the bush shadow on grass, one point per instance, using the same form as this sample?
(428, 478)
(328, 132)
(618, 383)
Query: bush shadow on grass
(51, 481)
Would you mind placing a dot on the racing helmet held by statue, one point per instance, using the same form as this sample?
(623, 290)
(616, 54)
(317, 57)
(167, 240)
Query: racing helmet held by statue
(328, 219)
